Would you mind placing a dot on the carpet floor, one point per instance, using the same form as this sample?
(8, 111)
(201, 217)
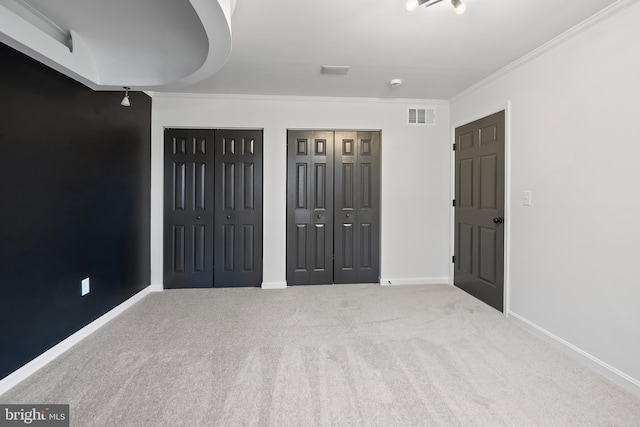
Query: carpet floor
(348, 355)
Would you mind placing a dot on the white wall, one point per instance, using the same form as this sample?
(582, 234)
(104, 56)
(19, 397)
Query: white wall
(574, 144)
(415, 173)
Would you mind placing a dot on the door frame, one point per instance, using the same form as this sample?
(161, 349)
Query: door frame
(506, 107)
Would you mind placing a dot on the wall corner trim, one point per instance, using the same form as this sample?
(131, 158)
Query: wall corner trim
(389, 281)
(620, 378)
(156, 288)
(31, 367)
(274, 285)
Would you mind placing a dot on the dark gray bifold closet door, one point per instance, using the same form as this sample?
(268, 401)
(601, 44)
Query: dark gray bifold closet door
(188, 208)
(357, 212)
(238, 208)
(479, 209)
(310, 208)
(333, 207)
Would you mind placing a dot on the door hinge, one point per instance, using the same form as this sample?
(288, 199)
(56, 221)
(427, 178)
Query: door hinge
(454, 147)
(454, 202)
(453, 259)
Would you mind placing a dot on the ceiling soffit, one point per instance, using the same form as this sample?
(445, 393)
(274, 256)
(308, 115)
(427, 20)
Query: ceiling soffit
(146, 45)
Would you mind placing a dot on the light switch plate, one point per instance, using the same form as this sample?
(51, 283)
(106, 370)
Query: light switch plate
(86, 286)
(526, 198)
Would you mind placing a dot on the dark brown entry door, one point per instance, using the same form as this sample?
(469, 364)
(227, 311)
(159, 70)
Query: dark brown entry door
(357, 213)
(479, 209)
(238, 208)
(333, 213)
(188, 210)
(310, 207)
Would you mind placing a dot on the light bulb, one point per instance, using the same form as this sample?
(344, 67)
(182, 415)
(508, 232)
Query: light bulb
(126, 102)
(459, 6)
(411, 5)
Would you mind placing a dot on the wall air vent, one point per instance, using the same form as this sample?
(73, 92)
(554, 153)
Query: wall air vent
(338, 70)
(421, 116)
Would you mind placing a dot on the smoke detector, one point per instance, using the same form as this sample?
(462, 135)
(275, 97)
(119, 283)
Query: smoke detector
(395, 82)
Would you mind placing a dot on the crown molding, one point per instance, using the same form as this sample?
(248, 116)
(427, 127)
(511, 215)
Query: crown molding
(605, 13)
(289, 98)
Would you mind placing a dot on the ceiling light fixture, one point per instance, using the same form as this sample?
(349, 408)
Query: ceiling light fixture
(458, 5)
(126, 102)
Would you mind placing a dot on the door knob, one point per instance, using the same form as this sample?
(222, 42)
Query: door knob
(319, 216)
(228, 216)
(198, 217)
(348, 215)
(497, 220)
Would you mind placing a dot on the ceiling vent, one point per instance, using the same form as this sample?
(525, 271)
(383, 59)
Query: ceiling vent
(338, 70)
(421, 116)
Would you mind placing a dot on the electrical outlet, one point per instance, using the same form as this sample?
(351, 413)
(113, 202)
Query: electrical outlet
(86, 286)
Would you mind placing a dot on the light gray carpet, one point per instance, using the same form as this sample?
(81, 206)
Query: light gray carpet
(361, 355)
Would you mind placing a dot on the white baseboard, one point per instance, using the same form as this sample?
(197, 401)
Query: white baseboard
(25, 371)
(603, 368)
(156, 288)
(385, 281)
(274, 285)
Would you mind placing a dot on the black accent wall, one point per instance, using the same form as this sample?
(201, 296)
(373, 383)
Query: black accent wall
(75, 176)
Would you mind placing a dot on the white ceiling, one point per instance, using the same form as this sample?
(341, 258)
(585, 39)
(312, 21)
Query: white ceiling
(278, 46)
